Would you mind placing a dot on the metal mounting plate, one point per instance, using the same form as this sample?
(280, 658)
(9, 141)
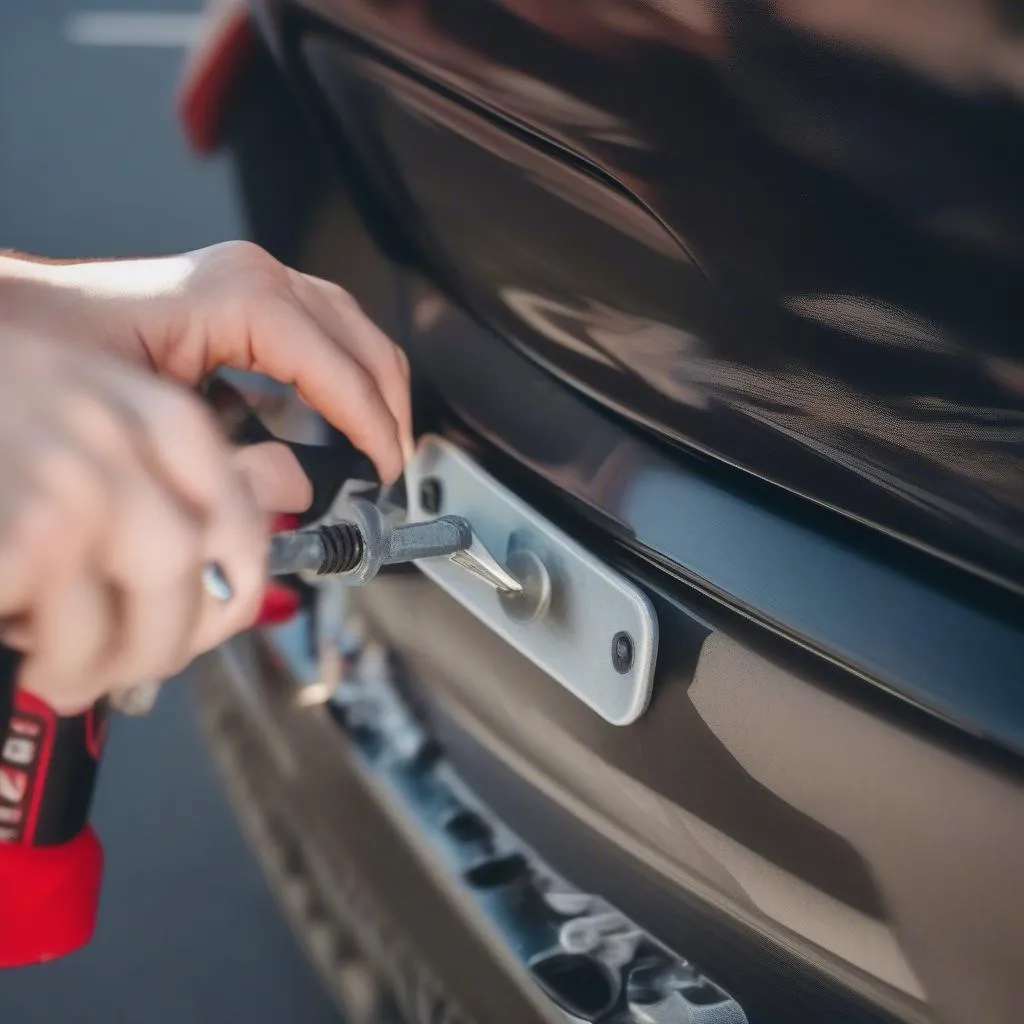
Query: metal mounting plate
(590, 605)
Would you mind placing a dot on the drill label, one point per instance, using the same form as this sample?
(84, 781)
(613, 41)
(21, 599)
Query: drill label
(19, 760)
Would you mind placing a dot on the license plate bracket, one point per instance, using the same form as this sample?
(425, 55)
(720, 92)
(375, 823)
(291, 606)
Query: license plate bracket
(599, 635)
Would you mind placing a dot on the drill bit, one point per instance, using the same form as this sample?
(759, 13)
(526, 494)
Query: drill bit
(358, 549)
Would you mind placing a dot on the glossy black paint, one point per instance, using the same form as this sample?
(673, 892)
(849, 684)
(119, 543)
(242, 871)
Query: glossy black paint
(930, 637)
(857, 604)
(790, 234)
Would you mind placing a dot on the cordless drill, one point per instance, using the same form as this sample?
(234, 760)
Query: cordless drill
(51, 862)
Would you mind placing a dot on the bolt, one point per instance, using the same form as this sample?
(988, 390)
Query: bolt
(431, 494)
(622, 652)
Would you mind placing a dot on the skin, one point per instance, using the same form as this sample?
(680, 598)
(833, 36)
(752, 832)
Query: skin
(117, 486)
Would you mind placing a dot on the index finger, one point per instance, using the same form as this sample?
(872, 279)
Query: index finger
(332, 382)
(341, 319)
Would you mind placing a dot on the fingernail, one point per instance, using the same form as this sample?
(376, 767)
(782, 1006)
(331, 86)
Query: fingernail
(408, 449)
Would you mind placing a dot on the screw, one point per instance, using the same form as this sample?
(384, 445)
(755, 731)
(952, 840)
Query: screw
(431, 494)
(622, 652)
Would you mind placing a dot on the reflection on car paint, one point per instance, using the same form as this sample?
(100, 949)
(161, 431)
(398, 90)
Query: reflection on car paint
(847, 181)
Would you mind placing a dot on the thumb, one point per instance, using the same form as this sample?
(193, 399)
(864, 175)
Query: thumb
(275, 477)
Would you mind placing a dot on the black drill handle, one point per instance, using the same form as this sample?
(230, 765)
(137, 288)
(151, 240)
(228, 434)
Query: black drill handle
(48, 766)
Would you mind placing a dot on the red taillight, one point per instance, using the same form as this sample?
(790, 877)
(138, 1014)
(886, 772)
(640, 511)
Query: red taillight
(211, 72)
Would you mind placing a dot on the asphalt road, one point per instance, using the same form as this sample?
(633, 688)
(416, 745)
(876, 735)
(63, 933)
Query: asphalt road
(91, 164)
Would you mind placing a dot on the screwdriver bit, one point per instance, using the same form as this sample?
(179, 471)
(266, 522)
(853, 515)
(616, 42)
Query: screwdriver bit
(359, 548)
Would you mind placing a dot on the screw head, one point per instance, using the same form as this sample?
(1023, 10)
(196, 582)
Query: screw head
(532, 602)
(431, 495)
(622, 652)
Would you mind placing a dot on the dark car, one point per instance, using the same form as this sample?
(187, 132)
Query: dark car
(715, 310)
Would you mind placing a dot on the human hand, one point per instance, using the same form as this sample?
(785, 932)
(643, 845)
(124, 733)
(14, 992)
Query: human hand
(230, 305)
(115, 490)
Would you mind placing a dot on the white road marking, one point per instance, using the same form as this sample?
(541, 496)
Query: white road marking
(133, 28)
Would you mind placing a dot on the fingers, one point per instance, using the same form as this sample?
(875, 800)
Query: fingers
(152, 557)
(74, 624)
(331, 381)
(233, 304)
(354, 333)
(118, 490)
(49, 569)
(248, 311)
(60, 502)
(237, 539)
(217, 518)
(274, 476)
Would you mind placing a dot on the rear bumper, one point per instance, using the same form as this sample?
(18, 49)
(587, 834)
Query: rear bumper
(352, 880)
(815, 808)
(661, 818)
(842, 932)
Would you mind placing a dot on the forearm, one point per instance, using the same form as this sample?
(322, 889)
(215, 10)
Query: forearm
(31, 299)
(94, 302)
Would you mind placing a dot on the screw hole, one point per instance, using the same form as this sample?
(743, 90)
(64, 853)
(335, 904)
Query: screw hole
(431, 495)
(622, 652)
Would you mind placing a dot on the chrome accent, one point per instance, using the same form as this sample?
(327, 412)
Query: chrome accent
(295, 551)
(215, 582)
(588, 603)
(329, 622)
(449, 537)
(534, 598)
(375, 527)
(478, 561)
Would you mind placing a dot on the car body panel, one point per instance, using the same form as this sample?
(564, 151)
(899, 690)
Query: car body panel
(684, 781)
(861, 606)
(874, 856)
(736, 305)
(801, 239)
